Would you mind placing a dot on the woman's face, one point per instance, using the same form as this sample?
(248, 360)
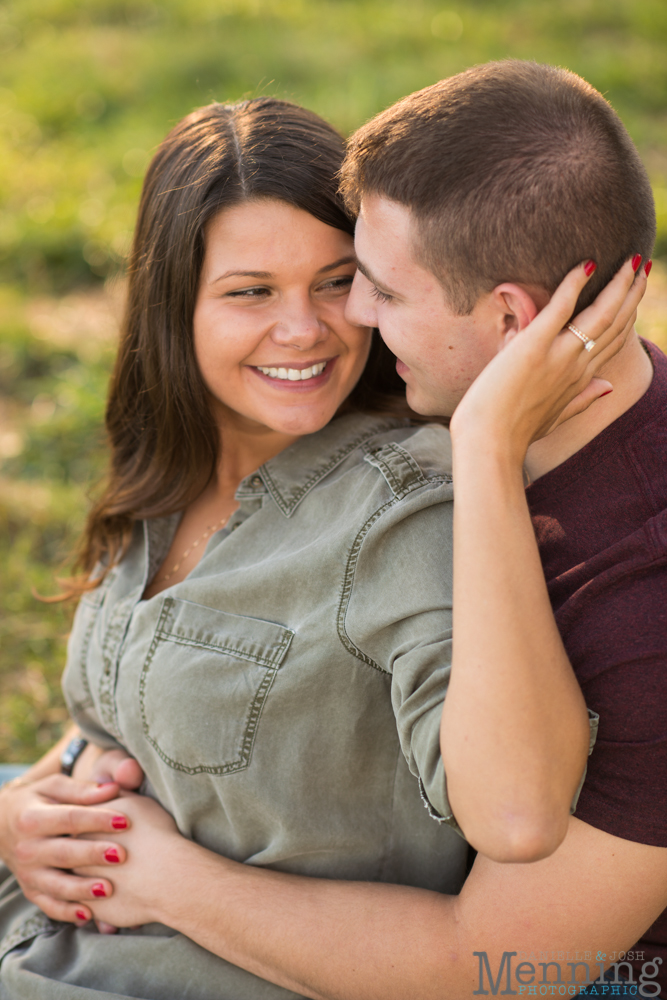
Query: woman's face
(271, 340)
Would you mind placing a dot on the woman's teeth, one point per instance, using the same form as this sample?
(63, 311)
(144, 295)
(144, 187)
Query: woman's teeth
(294, 374)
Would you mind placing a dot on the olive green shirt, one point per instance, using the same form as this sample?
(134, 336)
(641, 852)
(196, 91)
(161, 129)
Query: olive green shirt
(284, 700)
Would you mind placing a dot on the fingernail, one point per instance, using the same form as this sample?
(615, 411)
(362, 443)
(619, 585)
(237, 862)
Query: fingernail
(119, 823)
(647, 267)
(605, 393)
(589, 267)
(98, 889)
(111, 855)
(636, 261)
(80, 915)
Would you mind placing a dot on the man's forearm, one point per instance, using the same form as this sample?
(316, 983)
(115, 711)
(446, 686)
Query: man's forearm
(325, 939)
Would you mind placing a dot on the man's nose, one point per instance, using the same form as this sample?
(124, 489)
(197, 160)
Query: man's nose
(299, 327)
(360, 308)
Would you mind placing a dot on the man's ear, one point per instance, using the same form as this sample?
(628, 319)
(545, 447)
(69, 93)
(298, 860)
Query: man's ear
(517, 306)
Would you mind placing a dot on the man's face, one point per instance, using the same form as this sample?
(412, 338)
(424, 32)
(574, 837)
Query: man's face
(440, 353)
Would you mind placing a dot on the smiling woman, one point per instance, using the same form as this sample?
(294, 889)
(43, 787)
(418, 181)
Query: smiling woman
(243, 632)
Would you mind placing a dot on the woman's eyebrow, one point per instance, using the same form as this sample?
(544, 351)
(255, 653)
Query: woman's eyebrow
(262, 275)
(350, 259)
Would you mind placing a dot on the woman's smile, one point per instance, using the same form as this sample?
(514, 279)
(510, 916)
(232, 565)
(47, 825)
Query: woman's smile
(297, 376)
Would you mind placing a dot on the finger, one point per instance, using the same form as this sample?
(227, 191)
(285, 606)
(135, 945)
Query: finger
(608, 315)
(602, 357)
(128, 774)
(558, 310)
(71, 913)
(62, 788)
(596, 389)
(68, 852)
(70, 820)
(64, 886)
(105, 928)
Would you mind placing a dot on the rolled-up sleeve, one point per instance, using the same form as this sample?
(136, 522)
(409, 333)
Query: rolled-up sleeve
(398, 619)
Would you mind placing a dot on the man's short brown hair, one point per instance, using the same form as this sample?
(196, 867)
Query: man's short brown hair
(514, 171)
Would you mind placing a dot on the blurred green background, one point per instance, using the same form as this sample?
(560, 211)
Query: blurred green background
(87, 90)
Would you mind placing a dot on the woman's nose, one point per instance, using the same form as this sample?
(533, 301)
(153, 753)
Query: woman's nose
(299, 327)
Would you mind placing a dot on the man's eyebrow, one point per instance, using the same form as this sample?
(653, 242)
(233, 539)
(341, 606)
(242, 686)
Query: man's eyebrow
(367, 274)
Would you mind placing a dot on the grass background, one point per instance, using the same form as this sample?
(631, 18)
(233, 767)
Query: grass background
(87, 89)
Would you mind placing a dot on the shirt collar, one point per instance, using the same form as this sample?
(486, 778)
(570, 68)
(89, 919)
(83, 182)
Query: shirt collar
(290, 475)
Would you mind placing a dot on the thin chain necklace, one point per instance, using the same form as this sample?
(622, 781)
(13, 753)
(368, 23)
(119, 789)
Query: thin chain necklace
(202, 538)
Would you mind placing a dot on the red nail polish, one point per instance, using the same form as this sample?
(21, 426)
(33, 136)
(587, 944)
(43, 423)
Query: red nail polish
(605, 393)
(589, 267)
(647, 267)
(636, 261)
(119, 823)
(111, 855)
(98, 889)
(80, 915)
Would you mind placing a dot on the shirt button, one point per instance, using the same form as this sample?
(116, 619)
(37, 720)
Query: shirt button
(256, 481)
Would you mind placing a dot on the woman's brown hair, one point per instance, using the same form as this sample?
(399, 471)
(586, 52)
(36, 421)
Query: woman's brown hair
(163, 439)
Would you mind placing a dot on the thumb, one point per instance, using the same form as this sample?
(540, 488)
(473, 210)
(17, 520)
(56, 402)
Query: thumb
(128, 774)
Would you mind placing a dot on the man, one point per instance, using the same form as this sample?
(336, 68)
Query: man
(451, 279)
(490, 186)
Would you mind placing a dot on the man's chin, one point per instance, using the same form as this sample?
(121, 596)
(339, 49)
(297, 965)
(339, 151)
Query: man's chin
(425, 404)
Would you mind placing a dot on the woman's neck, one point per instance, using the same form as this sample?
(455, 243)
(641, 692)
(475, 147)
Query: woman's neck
(242, 450)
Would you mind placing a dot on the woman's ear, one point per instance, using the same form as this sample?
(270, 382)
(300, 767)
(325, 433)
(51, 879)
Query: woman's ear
(517, 306)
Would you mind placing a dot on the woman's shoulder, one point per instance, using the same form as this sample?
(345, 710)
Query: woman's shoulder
(364, 465)
(428, 445)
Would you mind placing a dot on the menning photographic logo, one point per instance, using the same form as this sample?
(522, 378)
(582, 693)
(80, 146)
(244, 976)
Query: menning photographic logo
(619, 979)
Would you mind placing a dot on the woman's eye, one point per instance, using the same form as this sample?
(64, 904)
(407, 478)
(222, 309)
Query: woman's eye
(340, 284)
(249, 293)
(382, 296)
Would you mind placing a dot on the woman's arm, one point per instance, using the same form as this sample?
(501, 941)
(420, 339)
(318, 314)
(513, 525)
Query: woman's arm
(514, 734)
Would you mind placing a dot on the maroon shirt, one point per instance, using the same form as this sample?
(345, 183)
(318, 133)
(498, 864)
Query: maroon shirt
(601, 525)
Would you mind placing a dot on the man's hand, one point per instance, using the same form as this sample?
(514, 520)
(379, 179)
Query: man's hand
(39, 822)
(105, 766)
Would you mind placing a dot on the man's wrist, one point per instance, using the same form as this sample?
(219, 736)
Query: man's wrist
(71, 754)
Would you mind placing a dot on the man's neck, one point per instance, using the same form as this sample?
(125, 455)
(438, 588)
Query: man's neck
(630, 373)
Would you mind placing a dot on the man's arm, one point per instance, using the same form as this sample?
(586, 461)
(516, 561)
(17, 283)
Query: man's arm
(333, 940)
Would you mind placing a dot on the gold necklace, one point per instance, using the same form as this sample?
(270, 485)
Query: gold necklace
(207, 534)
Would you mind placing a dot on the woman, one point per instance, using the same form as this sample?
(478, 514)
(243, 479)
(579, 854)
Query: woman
(265, 626)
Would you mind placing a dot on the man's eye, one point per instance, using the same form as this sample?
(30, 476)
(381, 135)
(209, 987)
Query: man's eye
(382, 296)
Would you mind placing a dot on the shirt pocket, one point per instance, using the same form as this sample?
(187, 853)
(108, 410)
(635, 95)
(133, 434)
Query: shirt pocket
(204, 684)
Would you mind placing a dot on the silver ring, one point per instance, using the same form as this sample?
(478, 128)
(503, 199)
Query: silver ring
(586, 341)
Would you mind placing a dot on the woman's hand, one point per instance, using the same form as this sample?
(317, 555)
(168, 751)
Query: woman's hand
(155, 851)
(40, 822)
(543, 375)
